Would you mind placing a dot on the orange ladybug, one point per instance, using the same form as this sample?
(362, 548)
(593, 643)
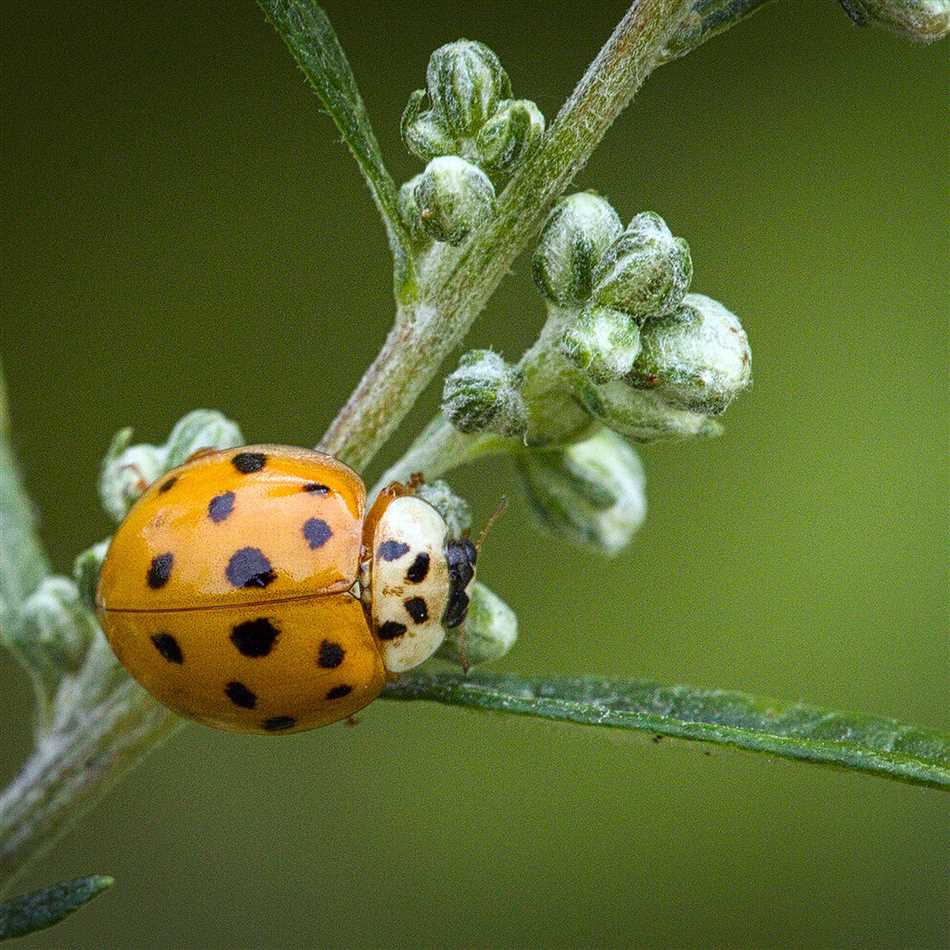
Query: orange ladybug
(246, 589)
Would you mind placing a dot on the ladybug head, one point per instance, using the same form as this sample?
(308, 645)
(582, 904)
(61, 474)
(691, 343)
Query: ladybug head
(461, 555)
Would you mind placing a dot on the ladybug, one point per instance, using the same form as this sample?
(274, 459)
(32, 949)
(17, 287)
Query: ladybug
(248, 589)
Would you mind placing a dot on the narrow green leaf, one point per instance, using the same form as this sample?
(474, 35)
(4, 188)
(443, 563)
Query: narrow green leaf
(305, 28)
(42, 909)
(853, 741)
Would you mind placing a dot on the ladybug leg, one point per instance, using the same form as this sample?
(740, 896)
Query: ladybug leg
(463, 656)
(198, 453)
(142, 482)
(351, 721)
(416, 480)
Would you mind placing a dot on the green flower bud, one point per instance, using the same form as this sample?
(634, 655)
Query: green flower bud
(466, 82)
(86, 569)
(643, 416)
(646, 271)
(453, 508)
(482, 395)
(491, 629)
(409, 210)
(200, 429)
(577, 233)
(593, 493)
(923, 21)
(603, 343)
(697, 358)
(423, 132)
(454, 197)
(510, 135)
(127, 470)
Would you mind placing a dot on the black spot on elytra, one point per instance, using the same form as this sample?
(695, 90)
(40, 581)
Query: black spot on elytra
(249, 568)
(330, 655)
(390, 630)
(254, 638)
(278, 723)
(338, 692)
(392, 550)
(317, 532)
(168, 483)
(316, 488)
(221, 506)
(168, 646)
(247, 462)
(417, 609)
(418, 569)
(240, 695)
(159, 570)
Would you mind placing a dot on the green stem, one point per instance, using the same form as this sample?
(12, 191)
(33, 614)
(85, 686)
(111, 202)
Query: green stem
(427, 331)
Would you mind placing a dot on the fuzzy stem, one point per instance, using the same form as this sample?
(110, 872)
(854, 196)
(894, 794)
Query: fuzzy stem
(425, 333)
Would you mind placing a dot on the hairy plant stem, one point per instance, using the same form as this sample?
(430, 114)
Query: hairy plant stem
(426, 332)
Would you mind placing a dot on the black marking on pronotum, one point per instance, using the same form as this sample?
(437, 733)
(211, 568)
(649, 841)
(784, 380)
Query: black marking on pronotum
(338, 692)
(330, 655)
(240, 695)
(221, 506)
(159, 570)
(390, 630)
(278, 723)
(168, 646)
(317, 532)
(249, 568)
(418, 569)
(392, 550)
(254, 638)
(168, 483)
(248, 462)
(316, 488)
(417, 609)
(461, 556)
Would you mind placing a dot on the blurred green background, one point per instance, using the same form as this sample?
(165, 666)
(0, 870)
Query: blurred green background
(182, 228)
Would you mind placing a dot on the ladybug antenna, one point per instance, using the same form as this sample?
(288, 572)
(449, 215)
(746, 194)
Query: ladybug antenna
(495, 515)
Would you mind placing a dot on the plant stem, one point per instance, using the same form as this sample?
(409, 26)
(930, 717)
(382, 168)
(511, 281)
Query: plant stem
(425, 333)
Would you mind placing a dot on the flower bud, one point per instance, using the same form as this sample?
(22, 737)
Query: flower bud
(454, 197)
(200, 429)
(922, 21)
(643, 416)
(453, 508)
(466, 82)
(578, 231)
(646, 271)
(593, 493)
(510, 135)
(409, 209)
(602, 342)
(423, 132)
(491, 629)
(482, 395)
(127, 470)
(697, 358)
(86, 569)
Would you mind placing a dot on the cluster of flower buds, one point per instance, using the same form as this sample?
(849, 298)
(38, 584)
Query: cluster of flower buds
(464, 124)
(922, 21)
(627, 355)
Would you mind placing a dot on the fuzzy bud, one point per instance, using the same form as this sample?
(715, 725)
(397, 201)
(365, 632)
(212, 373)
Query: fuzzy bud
(697, 358)
(510, 135)
(577, 233)
(86, 569)
(593, 493)
(453, 197)
(922, 21)
(423, 132)
(482, 395)
(200, 429)
(646, 271)
(491, 629)
(466, 82)
(453, 508)
(603, 343)
(643, 416)
(409, 209)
